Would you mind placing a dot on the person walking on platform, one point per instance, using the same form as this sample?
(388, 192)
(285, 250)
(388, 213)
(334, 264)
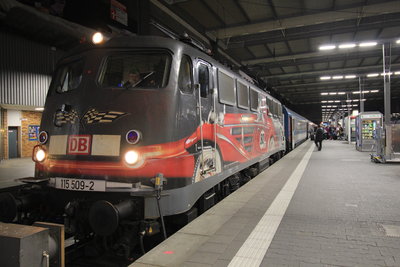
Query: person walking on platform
(319, 136)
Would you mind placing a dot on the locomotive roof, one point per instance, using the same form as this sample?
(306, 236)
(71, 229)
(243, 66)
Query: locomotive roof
(135, 41)
(159, 42)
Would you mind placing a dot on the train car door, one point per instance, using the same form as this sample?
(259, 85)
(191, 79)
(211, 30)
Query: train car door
(291, 132)
(209, 158)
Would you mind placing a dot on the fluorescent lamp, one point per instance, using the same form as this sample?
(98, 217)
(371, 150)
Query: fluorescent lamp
(355, 100)
(363, 99)
(398, 41)
(324, 101)
(365, 92)
(337, 101)
(373, 75)
(397, 73)
(327, 47)
(350, 76)
(348, 100)
(325, 77)
(337, 77)
(333, 93)
(367, 44)
(355, 105)
(341, 93)
(324, 93)
(356, 92)
(330, 101)
(39, 109)
(387, 73)
(346, 46)
(374, 91)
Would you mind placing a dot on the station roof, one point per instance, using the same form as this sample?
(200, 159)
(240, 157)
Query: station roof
(279, 41)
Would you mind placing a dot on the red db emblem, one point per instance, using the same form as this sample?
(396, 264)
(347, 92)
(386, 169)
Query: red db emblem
(79, 145)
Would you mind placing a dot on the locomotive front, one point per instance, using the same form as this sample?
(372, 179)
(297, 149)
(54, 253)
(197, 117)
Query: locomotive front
(107, 130)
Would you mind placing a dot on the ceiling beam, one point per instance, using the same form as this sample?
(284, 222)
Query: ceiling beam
(312, 31)
(329, 84)
(336, 53)
(312, 19)
(377, 68)
(332, 57)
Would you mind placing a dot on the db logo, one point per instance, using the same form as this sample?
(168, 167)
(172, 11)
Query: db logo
(79, 145)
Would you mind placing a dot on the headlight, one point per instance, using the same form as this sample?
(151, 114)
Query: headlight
(97, 38)
(131, 157)
(39, 154)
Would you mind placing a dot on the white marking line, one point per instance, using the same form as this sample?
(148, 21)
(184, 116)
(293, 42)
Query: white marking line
(254, 248)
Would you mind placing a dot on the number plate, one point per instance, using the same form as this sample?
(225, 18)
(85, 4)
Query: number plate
(80, 184)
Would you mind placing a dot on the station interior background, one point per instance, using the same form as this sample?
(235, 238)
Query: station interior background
(274, 41)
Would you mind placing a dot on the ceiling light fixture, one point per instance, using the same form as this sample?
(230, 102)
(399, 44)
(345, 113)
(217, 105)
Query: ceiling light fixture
(350, 76)
(346, 46)
(327, 47)
(387, 73)
(373, 75)
(367, 44)
(341, 93)
(324, 93)
(325, 78)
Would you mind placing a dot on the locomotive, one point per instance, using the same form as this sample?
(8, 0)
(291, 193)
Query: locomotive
(134, 115)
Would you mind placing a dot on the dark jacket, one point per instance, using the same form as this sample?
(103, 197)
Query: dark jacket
(319, 134)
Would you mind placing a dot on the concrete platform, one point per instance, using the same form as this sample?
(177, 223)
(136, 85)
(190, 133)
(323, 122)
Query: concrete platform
(12, 169)
(312, 208)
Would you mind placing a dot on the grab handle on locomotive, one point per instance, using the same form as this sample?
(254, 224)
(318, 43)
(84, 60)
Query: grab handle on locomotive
(159, 181)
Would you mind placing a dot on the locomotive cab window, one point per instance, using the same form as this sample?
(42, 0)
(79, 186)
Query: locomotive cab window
(68, 77)
(203, 79)
(185, 79)
(136, 70)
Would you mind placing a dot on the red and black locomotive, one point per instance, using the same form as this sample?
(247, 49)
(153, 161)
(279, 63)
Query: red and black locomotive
(120, 114)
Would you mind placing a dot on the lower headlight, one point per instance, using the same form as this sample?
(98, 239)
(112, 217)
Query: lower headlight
(131, 157)
(40, 155)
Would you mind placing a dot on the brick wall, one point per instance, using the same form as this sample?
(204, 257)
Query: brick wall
(4, 136)
(28, 118)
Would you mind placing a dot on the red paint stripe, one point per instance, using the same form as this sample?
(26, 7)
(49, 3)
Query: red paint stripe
(170, 167)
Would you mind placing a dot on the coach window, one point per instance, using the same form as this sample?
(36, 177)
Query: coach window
(226, 86)
(243, 95)
(185, 79)
(204, 79)
(253, 100)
